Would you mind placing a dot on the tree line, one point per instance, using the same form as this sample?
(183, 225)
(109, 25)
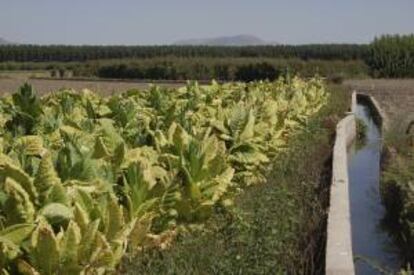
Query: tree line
(392, 56)
(228, 69)
(386, 56)
(242, 72)
(197, 68)
(37, 53)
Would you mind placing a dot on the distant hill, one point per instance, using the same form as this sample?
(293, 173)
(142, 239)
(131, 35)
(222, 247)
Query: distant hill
(237, 40)
(4, 41)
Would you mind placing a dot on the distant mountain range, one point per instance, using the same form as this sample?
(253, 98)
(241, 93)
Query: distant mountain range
(237, 40)
(4, 41)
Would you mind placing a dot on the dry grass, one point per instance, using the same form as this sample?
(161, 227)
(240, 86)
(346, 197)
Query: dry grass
(396, 96)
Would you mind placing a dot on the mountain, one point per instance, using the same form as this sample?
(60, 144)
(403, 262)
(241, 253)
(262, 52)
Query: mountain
(4, 41)
(237, 40)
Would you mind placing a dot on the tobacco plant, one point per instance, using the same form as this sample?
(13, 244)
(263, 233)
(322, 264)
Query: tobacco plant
(85, 179)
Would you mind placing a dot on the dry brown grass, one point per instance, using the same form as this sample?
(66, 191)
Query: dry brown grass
(396, 96)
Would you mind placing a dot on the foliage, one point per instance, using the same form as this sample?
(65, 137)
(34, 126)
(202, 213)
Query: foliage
(389, 56)
(199, 69)
(397, 192)
(361, 132)
(90, 178)
(274, 228)
(25, 112)
(260, 71)
(24, 53)
(392, 56)
(195, 68)
(224, 69)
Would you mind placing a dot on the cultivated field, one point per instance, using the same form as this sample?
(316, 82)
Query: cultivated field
(91, 179)
(43, 86)
(396, 96)
(226, 178)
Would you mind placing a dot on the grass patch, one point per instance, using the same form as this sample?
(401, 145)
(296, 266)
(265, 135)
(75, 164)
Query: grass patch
(397, 189)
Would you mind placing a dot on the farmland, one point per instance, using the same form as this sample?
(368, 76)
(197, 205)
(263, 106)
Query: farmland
(104, 176)
(44, 86)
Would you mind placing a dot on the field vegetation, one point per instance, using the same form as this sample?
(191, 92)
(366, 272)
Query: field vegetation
(87, 179)
(188, 62)
(276, 227)
(397, 189)
(140, 181)
(387, 56)
(61, 53)
(197, 68)
(392, 56)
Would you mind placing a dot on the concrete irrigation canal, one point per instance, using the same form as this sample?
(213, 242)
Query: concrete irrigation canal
(373, 249)
(357, 241)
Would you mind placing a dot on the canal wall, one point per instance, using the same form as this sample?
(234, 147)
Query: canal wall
(339, 257)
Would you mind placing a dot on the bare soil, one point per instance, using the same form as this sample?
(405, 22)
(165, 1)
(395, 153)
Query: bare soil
(11, 84)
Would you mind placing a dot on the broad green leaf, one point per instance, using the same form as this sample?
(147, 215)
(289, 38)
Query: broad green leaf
(44, 242)
(19, 176)
(46, 176)
(17, 233)
(18, 207)
(57, 214)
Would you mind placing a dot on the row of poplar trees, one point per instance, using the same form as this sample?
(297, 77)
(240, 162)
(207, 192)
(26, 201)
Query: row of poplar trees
(392, 56)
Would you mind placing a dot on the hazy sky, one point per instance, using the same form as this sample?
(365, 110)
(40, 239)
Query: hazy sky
(162, 22)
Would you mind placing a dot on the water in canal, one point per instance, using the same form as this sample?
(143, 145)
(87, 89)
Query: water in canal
(372, 245)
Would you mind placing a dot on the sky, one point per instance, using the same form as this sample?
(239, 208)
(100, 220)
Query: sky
(150, 22)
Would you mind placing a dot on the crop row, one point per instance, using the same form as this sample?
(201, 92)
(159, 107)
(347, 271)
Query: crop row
(85, 179)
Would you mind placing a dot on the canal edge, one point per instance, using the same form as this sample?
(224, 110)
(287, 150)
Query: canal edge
(339, 256)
